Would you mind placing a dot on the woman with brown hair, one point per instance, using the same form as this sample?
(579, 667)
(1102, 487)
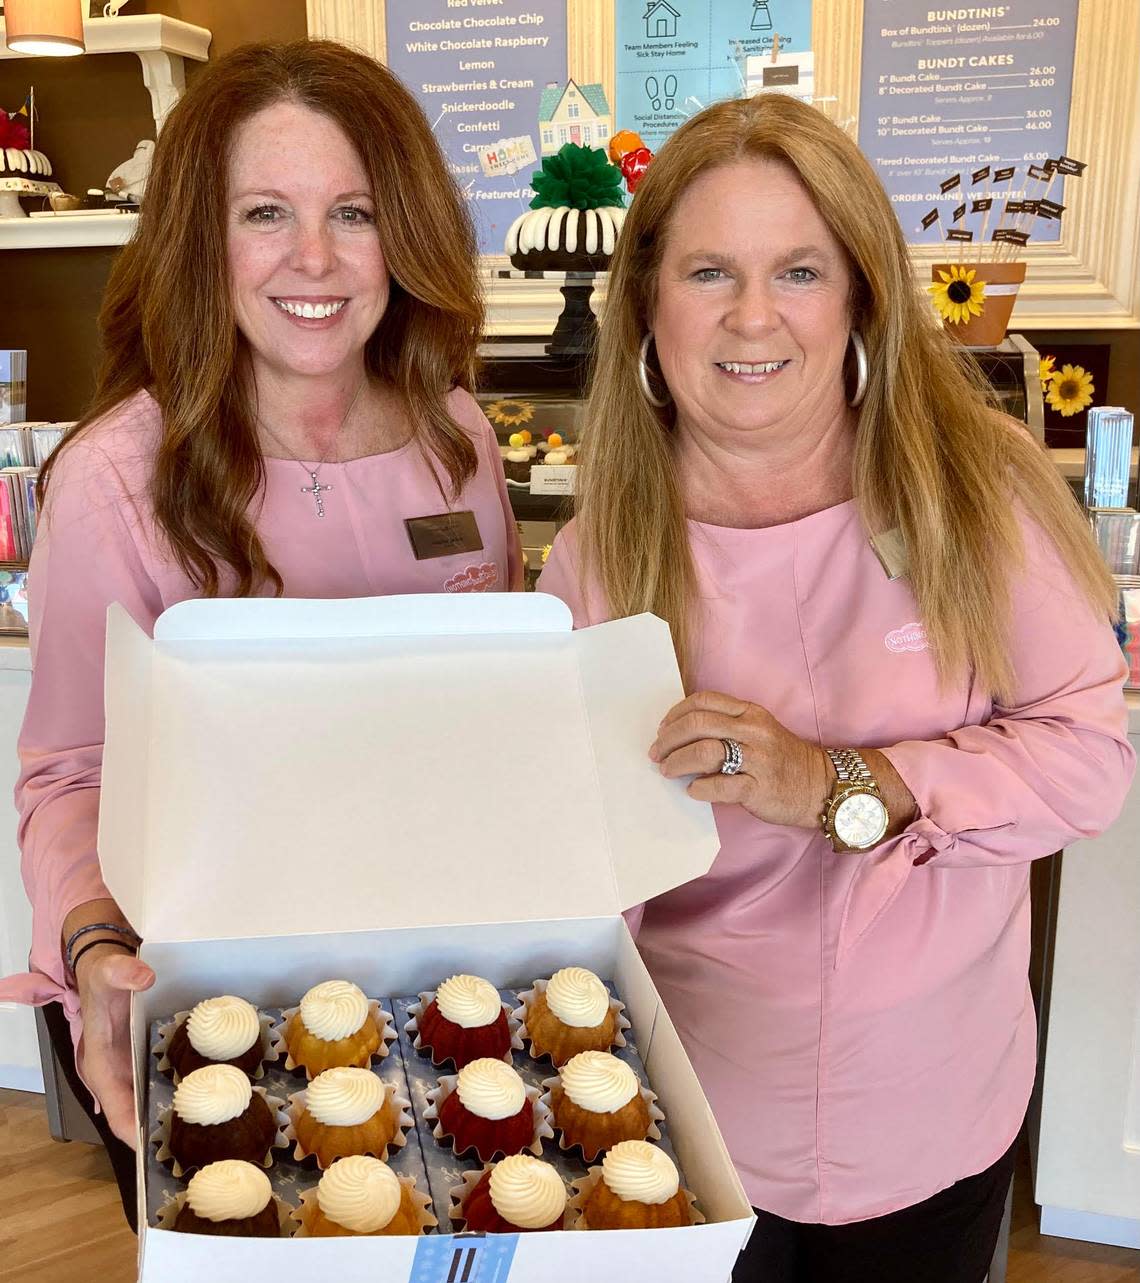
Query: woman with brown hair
(895, 628)
(284, 407)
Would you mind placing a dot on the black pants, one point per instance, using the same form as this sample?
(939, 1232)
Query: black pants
(121, 1155)
(949, 1238)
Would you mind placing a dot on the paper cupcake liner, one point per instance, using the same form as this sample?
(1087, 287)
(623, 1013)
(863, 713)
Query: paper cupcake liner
(417, 1009)
(303, 1213)
(584, 1187)
(393, 1103)
(168, 1214)
(161, 1134)
(375, 1012)
(459, 1195)
(527, 997)
(647, 1095)
(166, 1032)
(437, 1095)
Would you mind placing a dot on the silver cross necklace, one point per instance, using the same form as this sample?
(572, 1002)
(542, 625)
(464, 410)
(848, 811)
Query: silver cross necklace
(316, 489)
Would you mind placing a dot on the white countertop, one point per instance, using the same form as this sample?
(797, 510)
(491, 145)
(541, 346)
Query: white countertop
(15, 654)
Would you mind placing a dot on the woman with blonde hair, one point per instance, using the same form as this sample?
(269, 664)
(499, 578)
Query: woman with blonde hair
(895, 628)
(284, 407)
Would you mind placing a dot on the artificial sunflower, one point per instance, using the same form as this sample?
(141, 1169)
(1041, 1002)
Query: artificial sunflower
(1045, 371)
(510, 413)
(958, 296)
(1071, 390)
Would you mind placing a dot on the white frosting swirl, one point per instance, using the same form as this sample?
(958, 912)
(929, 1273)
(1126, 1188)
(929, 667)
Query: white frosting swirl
(344, 1097)
(223, 1028)
(360, 1193)
(468, 1001)
(639, 1172)
(491, 1088)
(334, 1010)
(527, 1192)
(599, 1082)
(228, 1190)
(576, 996)
(213, 1094)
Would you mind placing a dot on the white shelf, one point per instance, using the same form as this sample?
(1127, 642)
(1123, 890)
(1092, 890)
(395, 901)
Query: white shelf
(72, 232)
(137, 33)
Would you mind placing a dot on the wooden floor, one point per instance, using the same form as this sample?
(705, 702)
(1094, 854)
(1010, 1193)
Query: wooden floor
(61, 1221)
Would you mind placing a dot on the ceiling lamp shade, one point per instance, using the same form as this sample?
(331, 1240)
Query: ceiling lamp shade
(50, 27)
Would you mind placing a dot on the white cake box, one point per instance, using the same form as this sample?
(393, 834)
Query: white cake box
(298, 791)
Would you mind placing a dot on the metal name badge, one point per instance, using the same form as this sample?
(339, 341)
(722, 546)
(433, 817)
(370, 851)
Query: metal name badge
(443, 535)
(890, 549)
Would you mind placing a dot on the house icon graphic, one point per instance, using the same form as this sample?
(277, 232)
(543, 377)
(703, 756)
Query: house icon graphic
(660, 20)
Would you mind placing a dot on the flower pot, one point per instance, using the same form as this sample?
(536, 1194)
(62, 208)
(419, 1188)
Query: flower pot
(1002, 281)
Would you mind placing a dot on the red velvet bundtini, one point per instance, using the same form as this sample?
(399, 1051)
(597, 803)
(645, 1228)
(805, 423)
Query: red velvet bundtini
(482, 1217)
(488, 1136)
(445, 1040)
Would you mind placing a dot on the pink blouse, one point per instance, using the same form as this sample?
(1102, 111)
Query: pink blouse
(862, 1024)
(99, 545)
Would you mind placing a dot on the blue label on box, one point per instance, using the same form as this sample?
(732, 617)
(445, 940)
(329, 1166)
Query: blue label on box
(463, 1258)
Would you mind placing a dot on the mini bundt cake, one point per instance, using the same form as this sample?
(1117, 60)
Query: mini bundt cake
(232, 1199)
(489, 1111)
(597, 1103)
(219, 1031)
(465, 1021)
(573, 1014)
(520, 1193)
(638, 1189)
(346, 1111)
(361, 1195)
(334, 1026)
(216, 1115)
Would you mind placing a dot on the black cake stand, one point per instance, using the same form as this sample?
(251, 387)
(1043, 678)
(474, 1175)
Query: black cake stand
(576, 332)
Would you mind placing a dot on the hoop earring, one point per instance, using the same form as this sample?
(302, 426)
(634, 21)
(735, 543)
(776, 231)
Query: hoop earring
(861, 369)
(643, 374)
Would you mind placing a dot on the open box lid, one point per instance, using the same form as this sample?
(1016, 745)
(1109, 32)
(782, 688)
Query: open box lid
(275, 767)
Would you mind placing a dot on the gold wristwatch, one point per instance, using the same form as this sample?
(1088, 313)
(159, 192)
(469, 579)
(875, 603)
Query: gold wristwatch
(855, 817)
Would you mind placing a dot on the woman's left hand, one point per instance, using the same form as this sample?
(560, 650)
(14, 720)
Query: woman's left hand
(783, 779)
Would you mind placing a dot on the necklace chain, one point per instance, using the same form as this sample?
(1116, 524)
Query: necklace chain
(316, 489)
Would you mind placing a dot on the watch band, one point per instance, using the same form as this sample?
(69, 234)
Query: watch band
(850, 767)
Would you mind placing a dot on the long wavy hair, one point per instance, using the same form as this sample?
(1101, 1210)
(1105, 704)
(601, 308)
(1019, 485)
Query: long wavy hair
(933, 456)
(168, 324)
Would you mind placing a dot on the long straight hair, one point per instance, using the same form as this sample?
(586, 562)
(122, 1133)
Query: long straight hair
(933, 457)
(168, 323)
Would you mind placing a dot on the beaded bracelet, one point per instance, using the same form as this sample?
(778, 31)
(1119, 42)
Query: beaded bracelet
(118, 944)
(126, 932)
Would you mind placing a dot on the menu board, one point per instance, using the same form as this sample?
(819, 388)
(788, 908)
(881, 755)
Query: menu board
(479, 69)
(676, 56)
(963, 88)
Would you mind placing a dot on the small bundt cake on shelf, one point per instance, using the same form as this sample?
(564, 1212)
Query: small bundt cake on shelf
(217, 1114)
(231, 1199)
(520, 1193)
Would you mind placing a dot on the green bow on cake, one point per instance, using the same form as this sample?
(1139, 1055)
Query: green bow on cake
(580, 177)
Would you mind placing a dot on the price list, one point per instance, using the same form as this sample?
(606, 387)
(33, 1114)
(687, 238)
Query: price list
(963, 87)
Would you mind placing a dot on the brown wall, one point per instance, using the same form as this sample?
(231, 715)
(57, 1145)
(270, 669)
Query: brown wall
(92, 111)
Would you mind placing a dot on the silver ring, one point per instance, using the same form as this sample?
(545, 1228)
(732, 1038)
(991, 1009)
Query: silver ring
(733, 758)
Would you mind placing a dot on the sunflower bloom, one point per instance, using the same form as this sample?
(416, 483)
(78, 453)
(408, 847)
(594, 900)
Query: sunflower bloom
(958, 296)
(510, 413)
(1070, 391)
(1045, 371)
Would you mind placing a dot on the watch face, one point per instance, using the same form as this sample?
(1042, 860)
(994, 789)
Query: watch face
(860, 820)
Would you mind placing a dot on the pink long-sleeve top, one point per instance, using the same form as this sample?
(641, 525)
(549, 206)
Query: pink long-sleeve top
(98, 544)
(862, 1023)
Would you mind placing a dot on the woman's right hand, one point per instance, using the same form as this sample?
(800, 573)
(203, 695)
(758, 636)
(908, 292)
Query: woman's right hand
(106, 978)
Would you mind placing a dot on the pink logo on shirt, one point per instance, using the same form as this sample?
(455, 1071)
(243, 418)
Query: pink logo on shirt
(481, 578)
(910, 637)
